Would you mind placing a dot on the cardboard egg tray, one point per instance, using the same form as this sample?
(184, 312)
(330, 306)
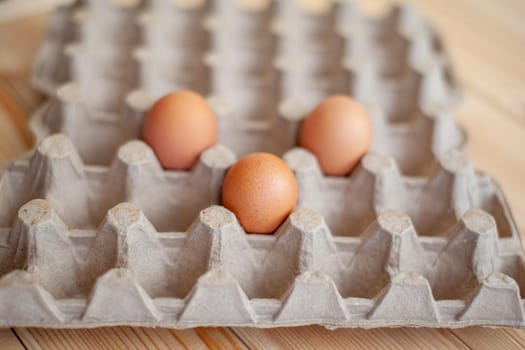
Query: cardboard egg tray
(93, 232)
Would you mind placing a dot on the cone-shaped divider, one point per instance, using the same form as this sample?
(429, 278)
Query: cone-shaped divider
(377, 184)
(470, 256)
(209, 172)
(390, 246)
(80, 109)
(421, 50)
(118, 296)
(65, 102)
(406, 297)
(497, 300)
(349, 18)
(242, 21)
(446, 134)
(313, 297)
(364, 76)
(172, 24)
(128, 240)
(50, 68)
(24, 301)
(235, 8)
(309, 177)
(301, 268)
(410, 20)
(113, 23)
(307, 16)
(161, 7)
(459, 172)
(436, 95)
(388, 191)
(303, 243)
(217, 299)
(441, 202)
(56, 174)
(132, 172)
(136, 176)
(38, 243)
(214, 241)
(66, 107)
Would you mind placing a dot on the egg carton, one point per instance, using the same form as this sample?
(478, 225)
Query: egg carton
(262, 64)
(94, 232)
(138, 245)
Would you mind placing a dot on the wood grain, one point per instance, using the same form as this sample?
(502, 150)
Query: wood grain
(489, 339)
(316, 337)
(9, 341)
(129, 338)
(12, 144)
(486, 40)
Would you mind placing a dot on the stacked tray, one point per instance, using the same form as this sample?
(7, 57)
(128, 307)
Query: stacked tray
(94, 232)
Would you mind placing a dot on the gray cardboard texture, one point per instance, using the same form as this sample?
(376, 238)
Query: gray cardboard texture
(93, 232)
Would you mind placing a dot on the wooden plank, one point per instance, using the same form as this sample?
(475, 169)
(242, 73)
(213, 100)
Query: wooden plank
(11, 144)
(129, 338)
(18, 51)
(12, 115)
(488, 338)
(9, 341)
(316, 337)
(17, 55)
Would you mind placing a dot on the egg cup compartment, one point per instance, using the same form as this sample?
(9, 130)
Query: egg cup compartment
(309, 23)
(416, 146)
(241, 24)
(251, 107)
(400, 98)
(111, 25)
(160, 73)
(242, 67)
(102, 89)
(166, 25)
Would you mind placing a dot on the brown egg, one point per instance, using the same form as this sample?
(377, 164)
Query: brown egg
(178, 127)
(338, 132)
(261, 190)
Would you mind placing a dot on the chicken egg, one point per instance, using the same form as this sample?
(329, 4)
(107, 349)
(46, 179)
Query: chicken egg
(338, 132)
(261, 190)
(178, 127)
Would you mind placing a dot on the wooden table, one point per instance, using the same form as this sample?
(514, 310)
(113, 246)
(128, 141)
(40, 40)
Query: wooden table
(487, 42)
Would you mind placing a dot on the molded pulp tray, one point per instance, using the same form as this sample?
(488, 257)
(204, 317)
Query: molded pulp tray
(94, 232)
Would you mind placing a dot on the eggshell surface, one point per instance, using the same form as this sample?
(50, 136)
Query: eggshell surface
(338, 132)
(178, 127)
(261, 190)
